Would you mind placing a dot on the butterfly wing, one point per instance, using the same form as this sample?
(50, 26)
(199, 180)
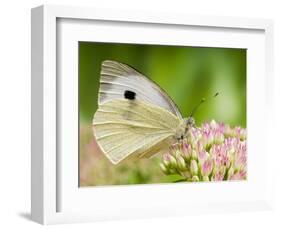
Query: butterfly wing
(117, 78)
(133, 129)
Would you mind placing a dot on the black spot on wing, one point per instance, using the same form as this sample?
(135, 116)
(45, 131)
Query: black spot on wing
(130, 95)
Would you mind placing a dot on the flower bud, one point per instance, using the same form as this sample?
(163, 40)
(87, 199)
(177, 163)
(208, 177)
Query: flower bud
(164, 169)
(169, 161)
(206, 178)
(195, 178)
(243, 135)
(219, 139)
(186, 149)
(181, 163)
(228, 132)
(193, 167)
(194, 154)
(166, 159)
(231, 151)
(186, 174)
(213, 124)
(218, 176)
(230, 172)
(207, 167)
(177, 153)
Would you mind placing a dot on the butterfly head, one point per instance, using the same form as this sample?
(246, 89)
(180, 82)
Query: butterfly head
(182, 130)
(189, 122)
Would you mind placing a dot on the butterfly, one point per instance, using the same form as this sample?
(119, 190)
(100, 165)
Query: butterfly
(135, 118)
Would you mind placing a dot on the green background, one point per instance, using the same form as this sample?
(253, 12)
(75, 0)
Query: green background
(187, 74)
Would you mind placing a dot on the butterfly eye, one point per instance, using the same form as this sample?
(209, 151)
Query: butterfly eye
(130, 95)
(190, 122)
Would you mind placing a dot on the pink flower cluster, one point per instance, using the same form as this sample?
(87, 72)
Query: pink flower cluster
(212, 152)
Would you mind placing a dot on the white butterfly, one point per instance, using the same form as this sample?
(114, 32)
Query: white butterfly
(135, 117)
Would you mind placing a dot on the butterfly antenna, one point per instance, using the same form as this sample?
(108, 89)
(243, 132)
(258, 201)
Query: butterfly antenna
(200, 103)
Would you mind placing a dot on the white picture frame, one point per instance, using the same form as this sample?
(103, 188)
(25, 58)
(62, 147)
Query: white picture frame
(56, 198)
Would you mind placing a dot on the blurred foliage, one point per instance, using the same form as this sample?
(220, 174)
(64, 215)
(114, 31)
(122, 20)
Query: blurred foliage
(95, 169)
(187, 74)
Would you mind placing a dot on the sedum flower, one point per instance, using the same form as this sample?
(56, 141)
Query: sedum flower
(212, 152)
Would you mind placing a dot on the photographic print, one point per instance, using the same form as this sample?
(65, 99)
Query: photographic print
(161, 114)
